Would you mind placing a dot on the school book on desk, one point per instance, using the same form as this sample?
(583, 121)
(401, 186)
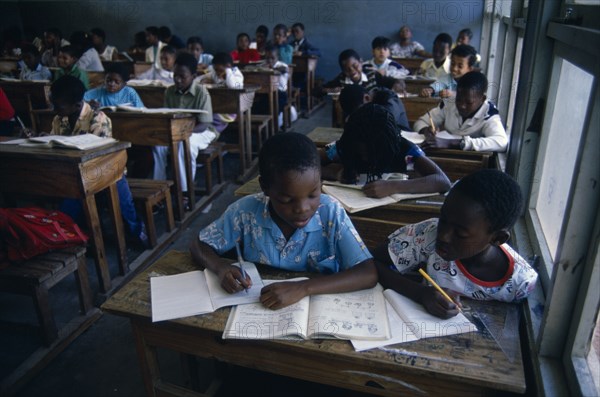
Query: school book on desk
(77, 142)
(133, 109)
(351, 315)
(197, 292)
(418, 139)
(410, 321)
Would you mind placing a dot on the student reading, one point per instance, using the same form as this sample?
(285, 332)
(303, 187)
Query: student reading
(465, 251)
(372, 144)
(291, 226)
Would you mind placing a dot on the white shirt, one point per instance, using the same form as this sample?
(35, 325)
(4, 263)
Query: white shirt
(90, 61)
(482, 132)
(150, 54)
(392, 68)
(157, 74)
(428, 68)
(233, 77)
(107, 54)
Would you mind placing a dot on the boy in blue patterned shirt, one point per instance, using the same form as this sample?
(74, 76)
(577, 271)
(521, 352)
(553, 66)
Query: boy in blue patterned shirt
(291, 226)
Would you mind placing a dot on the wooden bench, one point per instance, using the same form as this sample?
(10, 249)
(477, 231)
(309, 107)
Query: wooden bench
(214, 151)
(260, 126)
(37, 275)
(146, 194)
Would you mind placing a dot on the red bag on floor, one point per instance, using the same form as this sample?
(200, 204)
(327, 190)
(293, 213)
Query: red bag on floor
(28, 232)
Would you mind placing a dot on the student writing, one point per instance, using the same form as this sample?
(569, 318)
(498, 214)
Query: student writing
(31, 68)
(290, 226)
(465, 251)
(462, 61)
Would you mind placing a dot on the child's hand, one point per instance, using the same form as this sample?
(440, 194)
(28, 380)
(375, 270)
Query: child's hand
(426, 92)
(436, 304)
(94, 104)
(280, 295)
(26, 133)
(232, 280)
(447, 93)
(431, 142)
(427, 131)
(201, 68)
(378, 189)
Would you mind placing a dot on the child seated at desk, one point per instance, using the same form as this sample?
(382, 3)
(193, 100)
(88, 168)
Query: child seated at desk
(53, 42)
(165, 72)
(76, 117)
(114, 92)
(31, 68)
(106, 52)
(407, 48)
(154, 46)
(300, 45)
(465, 251)
(290, 226)
(372, 143)
(280, 37)
(185, 94)
(462, 60)
(381, 62)
(195, 46)
(67, 59)
(438, 67)
(243, 53)
(464, 37)
(471, 115)
(260, 41)
(89, 59)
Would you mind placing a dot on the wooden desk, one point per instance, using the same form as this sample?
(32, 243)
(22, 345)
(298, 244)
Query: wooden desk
(96, 79)
(322, 136)
(141, 67)
(152, 96)
(412, 64)
(9, 65)
(25, 96)
(268, 80)
(72, 174)
(416, 107)
(307, 64)
(414, 86)
(464, 365)
(161, 130)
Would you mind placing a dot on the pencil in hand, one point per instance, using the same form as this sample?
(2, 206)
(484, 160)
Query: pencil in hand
(438, 288)
(241, 262)
(433, 129)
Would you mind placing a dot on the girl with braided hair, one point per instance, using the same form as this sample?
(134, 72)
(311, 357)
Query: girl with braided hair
(372, 143)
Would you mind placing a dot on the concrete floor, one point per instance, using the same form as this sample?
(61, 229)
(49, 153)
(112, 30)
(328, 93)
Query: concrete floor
(103, 361)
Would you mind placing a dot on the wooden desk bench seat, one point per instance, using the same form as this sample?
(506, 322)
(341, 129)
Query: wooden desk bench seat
(146, 194)
(214, 151)
(260, 126)
(37, 275)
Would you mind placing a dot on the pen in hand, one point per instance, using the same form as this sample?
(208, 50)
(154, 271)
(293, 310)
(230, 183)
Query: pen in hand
(241, 262)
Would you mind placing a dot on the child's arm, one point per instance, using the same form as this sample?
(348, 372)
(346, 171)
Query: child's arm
(436, 116)
(361, 276)
(231, 277)
(494, 137)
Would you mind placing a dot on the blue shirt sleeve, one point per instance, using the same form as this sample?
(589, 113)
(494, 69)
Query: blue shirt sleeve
(134, 98)
(90, 95)
(222, 233)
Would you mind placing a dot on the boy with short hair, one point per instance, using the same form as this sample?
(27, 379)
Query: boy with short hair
(280, 41)
(76, 117)
(67, 59)
(471, 115)
(300, 45)
(185, 94)
(31, 68)
(462, 60)
(465, 251)
(165, 72)
(439, 66)
(381, 62)
(154, 46)
(195, 46)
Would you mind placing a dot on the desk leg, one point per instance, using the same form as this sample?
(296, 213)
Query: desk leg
(180, 214)
(115, 210)
(148, 360)
(309, 83)
(93, 221)
(275, 110)
(248, 129)
(189, 174)
(242, 137)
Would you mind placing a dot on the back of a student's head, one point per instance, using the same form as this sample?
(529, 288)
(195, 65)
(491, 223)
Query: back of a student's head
(498, 194)
(187, 61)
(81, 40)
(164, 33)
(351, 98)
(380, 42)
(222, 59)
(66, 92)
(284, 153)
(99, 33)
(465, 51)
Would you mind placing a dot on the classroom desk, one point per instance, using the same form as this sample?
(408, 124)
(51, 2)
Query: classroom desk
(96, 79)
(463, 365)
(68, 173)
(307, 64)
(414, 86)
(152, 96)
(412, 64)
(166, 129)
(268, 80)
(9, 65)
(25, 96)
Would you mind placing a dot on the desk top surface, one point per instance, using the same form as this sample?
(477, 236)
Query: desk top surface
(60, 154)
(473, 358)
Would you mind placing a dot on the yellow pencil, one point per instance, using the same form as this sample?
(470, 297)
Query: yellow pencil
(431, 122)
(434, 285)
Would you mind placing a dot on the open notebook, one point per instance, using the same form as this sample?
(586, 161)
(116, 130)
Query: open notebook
(351, 315)
(133, 109)
(410, 321)
(77, 142)
(417, 138)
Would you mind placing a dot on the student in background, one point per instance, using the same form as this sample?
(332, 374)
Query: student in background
(139, 45)
(167, 63)
(115, 91)
(260, 42)
(290, 226)
(407, 48)
(195, 46)
(471, 115)
(280, 41)
(438, 67)
(7, 115)
(165, 36)
(31, 68)
(89, 59)
(464, 37)
(67, 59)
(106, 52)
(76, 117)
(184, 94)
(154, 46)
(372, 143)
(244, 54)
(465, 251)
(353, 97)
(272, 61)
(381, 62)
(462, 61)
(300, 45)
(223, 73)
(53, 41)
